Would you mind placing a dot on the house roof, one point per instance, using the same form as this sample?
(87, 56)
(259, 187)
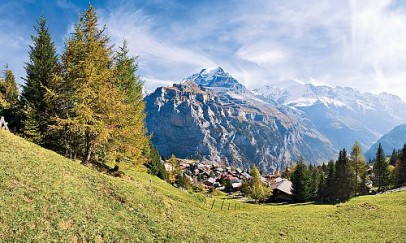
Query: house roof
(284, 186)
(236, 185)
(211, 180)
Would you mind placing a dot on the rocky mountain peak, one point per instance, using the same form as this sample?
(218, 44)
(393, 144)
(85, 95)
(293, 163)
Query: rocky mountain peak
(215, 78)
(211, 116)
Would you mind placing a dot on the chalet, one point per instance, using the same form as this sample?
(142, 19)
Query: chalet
(281, 191)
(236, 186)
(168, 167)
(183, 166)
(231, 178)
(210, 182)
(219, 169)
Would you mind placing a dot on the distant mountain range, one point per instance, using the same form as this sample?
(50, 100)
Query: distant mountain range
(210, 115)
(344, 115)
(390, 141)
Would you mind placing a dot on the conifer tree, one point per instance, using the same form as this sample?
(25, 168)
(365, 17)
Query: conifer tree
(10, 102)
(344, 176)
(359, 167)
(257, 191)
(30, 125)
(314, 181)
(381, 169)
(10, 87)
(392, 176)
(87, 90)
(174, 163)
(41, 68)
(228, 187)
(180, 180)
(322, 189)
(171, 177)
(331, 184)
(393, 158)
(154, 165)
(130, 142)
(401, 168)
(301, 182)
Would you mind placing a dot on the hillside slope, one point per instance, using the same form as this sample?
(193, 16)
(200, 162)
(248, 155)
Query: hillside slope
(44, 196)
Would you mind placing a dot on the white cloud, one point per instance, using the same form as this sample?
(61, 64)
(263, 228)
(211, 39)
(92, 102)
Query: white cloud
(357, 43)
(263, 53)
(159, 58)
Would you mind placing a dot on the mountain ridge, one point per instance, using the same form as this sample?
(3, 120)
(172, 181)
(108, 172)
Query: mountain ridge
(394, 139)
(343, 114)
(222, 121)
(300, 119)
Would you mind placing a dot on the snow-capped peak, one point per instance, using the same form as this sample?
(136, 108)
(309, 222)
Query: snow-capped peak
(211, 72)
(215, 77)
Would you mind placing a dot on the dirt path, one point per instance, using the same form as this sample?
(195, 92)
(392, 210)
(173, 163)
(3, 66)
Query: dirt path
(394, 190)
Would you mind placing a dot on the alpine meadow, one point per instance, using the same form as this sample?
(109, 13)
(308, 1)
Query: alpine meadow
(202, 121)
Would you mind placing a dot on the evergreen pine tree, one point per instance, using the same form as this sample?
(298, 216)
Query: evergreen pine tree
(330, 192)
(301, 180)
(180, 180)
(393, 158)
(30, 125)
(314, 181)
(130, 142)
(344, 176)
(228, 187)
(154, 165)
(41, 68)
(359, 167)
(322, 189)
(401, 168)
(381, 169)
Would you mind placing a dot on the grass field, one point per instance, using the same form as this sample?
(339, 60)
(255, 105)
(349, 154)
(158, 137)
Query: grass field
(45, 197)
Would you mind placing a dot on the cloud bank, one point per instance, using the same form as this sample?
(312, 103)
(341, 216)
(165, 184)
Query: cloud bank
(357, 43)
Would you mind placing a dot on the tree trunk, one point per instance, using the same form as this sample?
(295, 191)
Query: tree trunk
(88, 149)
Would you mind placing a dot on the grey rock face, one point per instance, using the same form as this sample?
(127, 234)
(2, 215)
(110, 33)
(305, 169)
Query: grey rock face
(211, 116)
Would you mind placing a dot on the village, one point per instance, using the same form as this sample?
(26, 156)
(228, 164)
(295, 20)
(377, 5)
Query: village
(228, 179)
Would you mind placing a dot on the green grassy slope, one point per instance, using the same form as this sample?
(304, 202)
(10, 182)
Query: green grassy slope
(44, 196)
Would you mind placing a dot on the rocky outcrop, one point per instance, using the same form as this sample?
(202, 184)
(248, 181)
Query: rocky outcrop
(211, 116)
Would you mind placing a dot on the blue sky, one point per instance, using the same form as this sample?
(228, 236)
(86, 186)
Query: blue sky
(361, 43)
